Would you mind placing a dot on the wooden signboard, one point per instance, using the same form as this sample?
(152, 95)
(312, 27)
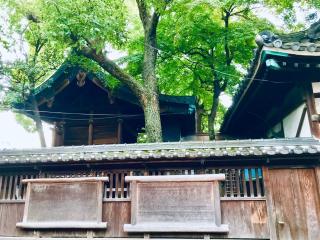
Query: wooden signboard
(64, 203)
(180, 203)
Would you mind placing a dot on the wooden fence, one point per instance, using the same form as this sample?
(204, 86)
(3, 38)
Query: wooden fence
(239, 183)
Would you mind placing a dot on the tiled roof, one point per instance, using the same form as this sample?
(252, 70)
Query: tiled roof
(306, 40)
(176, 150)
(306, 43)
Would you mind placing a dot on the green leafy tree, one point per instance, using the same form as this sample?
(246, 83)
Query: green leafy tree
(89, 26)
(25, 74)
(205, 51)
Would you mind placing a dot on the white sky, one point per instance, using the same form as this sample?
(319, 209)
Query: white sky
(13, 135)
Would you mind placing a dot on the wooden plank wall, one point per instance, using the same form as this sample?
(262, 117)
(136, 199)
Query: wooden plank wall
(293, 203)
(246, 219)
(290, 210)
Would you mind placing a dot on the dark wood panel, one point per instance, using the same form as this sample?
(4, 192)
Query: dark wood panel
(246, 218)
(295, 203)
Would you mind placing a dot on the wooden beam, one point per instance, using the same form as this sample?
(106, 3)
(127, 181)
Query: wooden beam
(303, 115)
(65, 180)
(177, 178)
(119, 133)
(90, 133)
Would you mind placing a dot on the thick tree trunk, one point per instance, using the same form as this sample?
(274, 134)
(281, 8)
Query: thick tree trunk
(150, 103)
(39, 126)
(212, 118)
(199, 115)
(214, 109)
(147, 92)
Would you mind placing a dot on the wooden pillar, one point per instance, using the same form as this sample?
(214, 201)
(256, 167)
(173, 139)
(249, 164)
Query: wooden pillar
(90, 132)
(54, 134)
(311, 109)
(119, 133)
(58, 134)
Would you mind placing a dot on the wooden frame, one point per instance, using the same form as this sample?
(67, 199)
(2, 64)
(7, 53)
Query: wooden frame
(48, 206)
(180, 203)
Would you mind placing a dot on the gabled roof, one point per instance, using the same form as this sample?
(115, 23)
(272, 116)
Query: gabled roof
(69, 71)
(184, 151)
(286, 54)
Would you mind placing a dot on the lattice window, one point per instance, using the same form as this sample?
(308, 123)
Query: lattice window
(239, 183)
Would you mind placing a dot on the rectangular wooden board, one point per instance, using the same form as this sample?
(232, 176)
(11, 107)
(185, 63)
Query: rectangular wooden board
(63, 205)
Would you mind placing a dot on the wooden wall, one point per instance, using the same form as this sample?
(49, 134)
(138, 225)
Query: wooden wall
(293, 198)
(246, 218)
(290, 210)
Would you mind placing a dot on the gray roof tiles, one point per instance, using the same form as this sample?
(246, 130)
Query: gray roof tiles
(174, 150)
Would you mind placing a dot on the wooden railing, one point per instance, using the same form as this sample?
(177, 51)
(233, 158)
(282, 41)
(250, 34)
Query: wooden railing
(240, 183)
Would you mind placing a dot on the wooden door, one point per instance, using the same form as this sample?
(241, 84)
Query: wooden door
(293, 203)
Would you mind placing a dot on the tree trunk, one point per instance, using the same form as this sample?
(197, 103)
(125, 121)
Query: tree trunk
(150, 104)
(37, 119)
(150, 98)
(214, 109)
(199, 115)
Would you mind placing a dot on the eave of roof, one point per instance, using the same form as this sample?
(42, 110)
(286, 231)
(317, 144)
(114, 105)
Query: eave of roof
(177, 150)
(300, 44)
(67, 67)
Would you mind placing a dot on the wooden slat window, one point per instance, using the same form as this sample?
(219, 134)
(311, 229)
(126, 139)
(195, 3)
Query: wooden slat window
(239, 183)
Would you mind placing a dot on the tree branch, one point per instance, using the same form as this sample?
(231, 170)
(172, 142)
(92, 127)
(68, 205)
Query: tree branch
(113, 69)
(143, 13)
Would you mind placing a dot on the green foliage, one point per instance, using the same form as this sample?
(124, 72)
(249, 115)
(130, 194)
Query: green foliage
(193, 37)
(197, 45)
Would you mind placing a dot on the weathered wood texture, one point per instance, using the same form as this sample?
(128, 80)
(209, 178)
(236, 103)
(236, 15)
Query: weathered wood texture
(239, 182)
(181, 203)
(293, 203)
(246, 218)
(63, 203)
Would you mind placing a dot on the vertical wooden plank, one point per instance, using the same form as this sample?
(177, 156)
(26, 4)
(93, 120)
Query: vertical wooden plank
(310, 202)
(270, 204)
(122, 184)
(117, 185)
(119, 131)
(232, 182)
(26, 206)
(238, 182)
(19, 185)
(258, 182)
(100, 197)
(134, 201)
(14, 189)
(111, 185)
(1, 186)
(317, 174)
(216, 197)
(5, 183)
(250, 182)
(90, 133)
(244, 183)
(9, 194)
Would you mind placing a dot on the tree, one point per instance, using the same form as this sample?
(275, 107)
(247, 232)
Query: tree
(24, 74)
(210, 46)
(89, 26)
